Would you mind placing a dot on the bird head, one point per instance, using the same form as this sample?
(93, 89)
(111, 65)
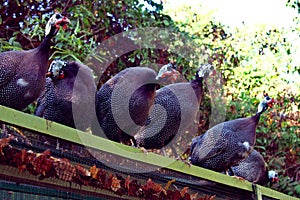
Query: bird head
(55, 70)
(204, 71)
(168, 73)
(55, 22)
(273, 176)
(265, 103)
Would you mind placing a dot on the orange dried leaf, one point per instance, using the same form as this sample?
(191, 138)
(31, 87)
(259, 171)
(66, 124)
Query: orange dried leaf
(184, 191)
(94, 172)
(169, 184)
(115, 185)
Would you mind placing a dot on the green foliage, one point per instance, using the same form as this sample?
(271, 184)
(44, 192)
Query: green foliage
(253, 61)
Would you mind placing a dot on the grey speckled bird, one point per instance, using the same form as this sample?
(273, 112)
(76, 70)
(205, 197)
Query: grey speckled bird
(227, 143)
(22, 73)
(254, 169)
(69, 95)
(124, 101)
(175, 110)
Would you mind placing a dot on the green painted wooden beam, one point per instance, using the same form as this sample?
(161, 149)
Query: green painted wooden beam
(54, 129)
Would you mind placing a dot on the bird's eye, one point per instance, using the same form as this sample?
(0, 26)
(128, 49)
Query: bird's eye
(268, 98)
(276, 175)
(58, 16)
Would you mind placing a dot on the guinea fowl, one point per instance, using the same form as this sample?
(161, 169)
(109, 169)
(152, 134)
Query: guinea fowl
(254, 169)
(124, 101)
(22, 73)
(175, 110)
(69, 95)
(227, 143)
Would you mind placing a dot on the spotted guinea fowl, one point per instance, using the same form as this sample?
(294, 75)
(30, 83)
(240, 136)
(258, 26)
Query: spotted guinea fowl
(124, 101)
(22, 73)
(227, 143)
(69, 95)
(254, 169)
(175, 110)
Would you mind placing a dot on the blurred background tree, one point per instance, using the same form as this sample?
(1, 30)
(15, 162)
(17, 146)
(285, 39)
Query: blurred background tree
(251, 61)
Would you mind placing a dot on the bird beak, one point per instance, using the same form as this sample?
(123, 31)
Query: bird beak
(270, 103)
(49, 74)
(62, 22)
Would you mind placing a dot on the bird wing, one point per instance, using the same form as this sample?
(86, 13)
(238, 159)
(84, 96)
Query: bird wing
(7, 68)
(103, 101)
(214, 145)
(42, 102)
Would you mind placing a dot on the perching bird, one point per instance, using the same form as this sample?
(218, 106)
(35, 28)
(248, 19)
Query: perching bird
(69, 95)
(22, 73)
(254, 169)
(227, 143)
(124, 101)
(175, 110)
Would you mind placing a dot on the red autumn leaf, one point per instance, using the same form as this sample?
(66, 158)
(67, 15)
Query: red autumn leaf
(82, 171)
(134, 189)
(152, 187)
(83, 175)
(174, 195)
(4, 142)
(43, 163)
(64, 169)
(127, 182)
(108, 182)
(20, 160)
(101, 176)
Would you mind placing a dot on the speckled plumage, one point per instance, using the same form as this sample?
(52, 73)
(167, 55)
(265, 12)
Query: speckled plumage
(119, 111)
(22, 74)
(253, 169)
(69, 100)
(175, 111)
(223, 145)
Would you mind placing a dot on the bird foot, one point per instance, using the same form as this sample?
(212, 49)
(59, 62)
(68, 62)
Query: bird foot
(178, 158)
(144, 150)
(238, 177)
